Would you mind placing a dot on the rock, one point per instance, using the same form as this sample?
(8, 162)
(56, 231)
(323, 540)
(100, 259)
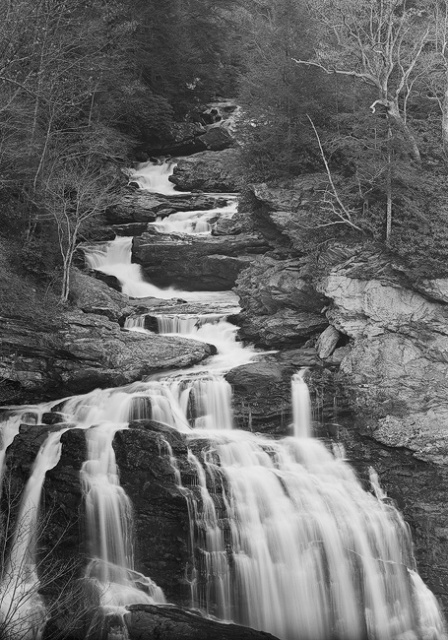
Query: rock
(130, 229)
(214, 171)
(193, 263)
(160, 508)
(394, 372)
(327, 341)
(147, 622)
(140, 206)
(262, 396)
(89, 351)
(93, 296)
(280, 305)
(216, 139)
(287, 327)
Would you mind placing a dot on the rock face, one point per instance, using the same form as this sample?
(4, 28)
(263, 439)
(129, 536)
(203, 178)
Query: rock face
(214, 171)
(191, 263)
(396, 368)
(280, 305)
(89, 352)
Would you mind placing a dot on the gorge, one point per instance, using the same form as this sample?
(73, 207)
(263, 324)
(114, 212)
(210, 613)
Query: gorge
(166, 488)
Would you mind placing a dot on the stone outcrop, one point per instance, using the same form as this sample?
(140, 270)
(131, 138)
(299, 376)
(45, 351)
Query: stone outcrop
(138, 206)
(192, 263)
(279, 304)
(213, 171)
(89, 351)
(396, 369)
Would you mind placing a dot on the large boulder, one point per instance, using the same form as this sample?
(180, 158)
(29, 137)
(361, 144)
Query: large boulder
(193, 263)
(213, 171)
(91, 295)
(280, 306)
(89, 351)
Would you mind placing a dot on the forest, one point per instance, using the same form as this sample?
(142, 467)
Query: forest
(354, 90)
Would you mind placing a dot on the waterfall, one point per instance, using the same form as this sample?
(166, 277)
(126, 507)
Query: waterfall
(195, 222)
(153, 177)
(115, 258)
(22, 609)
(308, 553)
(301, 406)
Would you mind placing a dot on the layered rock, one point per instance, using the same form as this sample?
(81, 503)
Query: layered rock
(192, 263)
(139, 206)
(89, 351)
(396, 368)
(279, 304)
(213, 171)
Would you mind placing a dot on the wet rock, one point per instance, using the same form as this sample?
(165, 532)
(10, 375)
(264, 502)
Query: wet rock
(89, 351)
(262, 396)
(170, 623)
(141, 206)
(160, 508)
(213, 171)
(131, 229)
(196, 263)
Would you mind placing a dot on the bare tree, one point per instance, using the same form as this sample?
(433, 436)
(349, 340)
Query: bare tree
(380, 43)
(78, 189)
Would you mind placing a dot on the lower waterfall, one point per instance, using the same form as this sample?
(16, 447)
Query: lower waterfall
(282, 536)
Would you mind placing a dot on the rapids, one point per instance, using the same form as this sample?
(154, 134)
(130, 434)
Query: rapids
(283, 537)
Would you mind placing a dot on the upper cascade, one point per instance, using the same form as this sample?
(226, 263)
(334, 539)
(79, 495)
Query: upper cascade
(153, 177)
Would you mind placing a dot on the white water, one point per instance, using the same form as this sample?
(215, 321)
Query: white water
(108, 508)
(22, 609)
(114, 258)
(301, 406)
(283, 538)
(194, 222)
(153, 177)
(313, 556)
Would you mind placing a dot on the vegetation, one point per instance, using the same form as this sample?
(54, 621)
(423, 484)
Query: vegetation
(356, 90)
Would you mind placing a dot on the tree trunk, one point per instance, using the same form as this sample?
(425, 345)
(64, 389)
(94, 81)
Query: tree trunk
(389, 186)
(445, 114)
(394, 115)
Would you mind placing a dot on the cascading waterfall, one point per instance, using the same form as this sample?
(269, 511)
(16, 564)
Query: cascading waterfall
(194, 222)
(108, 508)
(301, 406)
(307, 552)
(115, 258)
(22, 609)
(153, 176)
(282, 536)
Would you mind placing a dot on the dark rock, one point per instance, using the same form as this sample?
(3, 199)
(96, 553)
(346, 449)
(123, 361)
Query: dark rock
(280, 304)
(111, 281)
(147, 622)
(216, 139)
(131, 229)
(214, 171)
(195, 263)
(262, 396)
(161, 511)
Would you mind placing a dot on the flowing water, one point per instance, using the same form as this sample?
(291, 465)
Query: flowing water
(153, 177)
(282, 536)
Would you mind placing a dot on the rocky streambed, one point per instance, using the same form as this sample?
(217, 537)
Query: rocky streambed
(375, 344)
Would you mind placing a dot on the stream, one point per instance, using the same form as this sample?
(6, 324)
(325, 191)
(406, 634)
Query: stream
(282, 536)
